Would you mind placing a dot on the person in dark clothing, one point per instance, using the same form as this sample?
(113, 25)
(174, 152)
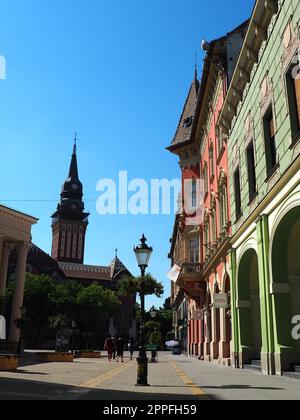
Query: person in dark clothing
(109, 347)
(120, 349)
(115, 341)
(131, 346)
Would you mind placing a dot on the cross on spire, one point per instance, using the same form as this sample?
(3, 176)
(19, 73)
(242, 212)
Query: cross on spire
(75, 143)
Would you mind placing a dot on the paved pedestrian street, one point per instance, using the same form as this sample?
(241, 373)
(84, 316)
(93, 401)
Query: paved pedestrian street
(173, 378)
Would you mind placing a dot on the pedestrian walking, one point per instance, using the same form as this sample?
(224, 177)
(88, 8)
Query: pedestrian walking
(131, 346)
(115, 342)
(109, 347)
(120, 349)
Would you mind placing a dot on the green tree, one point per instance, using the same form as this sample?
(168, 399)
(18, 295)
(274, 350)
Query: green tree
(146, 285)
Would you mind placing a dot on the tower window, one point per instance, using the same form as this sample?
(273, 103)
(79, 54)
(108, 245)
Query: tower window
(270, 141)
(293, 89)
(237, 193)
(251, 171)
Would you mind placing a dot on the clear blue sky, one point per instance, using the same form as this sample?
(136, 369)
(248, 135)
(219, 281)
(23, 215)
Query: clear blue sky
(116, 71)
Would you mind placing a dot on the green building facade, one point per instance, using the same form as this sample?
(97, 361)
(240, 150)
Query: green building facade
(261, 122)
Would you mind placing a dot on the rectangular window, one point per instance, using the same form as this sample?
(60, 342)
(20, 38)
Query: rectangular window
(212, 163)
(194, 194)
(251, 171)
(293, 88)
(205, 175)
(237, 192)
(194, 251)
(270, 141)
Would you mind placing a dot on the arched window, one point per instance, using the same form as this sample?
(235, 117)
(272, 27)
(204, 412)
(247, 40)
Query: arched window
(211, 161)
(213, 226)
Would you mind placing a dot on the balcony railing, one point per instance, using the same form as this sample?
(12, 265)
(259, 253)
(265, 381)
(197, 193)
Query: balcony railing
(190, 272)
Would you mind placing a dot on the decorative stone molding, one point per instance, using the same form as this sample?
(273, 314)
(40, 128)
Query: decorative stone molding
(249, 132)
(272, 181)
(280, 288)
(243, 304)
(236, 156)
(222, 180)
(267, 97)
(290, 44)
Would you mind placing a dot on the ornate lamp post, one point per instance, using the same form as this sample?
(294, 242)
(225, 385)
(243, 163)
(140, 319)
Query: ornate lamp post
(143, 253)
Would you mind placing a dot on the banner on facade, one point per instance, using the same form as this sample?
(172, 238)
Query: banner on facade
(220, 301)
(174, 273)
(198, 315)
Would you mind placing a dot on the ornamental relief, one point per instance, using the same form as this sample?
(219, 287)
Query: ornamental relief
(291, 53)
(249, 130)
(267, 94)
(290, 44)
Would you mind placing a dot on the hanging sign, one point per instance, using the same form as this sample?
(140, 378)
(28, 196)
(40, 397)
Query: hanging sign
(220, 301)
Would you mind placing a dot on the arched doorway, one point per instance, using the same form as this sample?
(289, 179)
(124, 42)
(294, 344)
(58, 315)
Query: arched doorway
(286, 284)
(216, 327)
(227, 321)
(249, 309)
(208, 326)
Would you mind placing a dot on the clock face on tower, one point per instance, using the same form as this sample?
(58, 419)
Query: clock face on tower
(75, 187)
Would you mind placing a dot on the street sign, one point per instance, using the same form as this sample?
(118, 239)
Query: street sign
(220, 301)
(198, 315)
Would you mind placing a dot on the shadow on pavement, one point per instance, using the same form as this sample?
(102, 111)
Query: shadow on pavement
(246, 387)
(17, 390)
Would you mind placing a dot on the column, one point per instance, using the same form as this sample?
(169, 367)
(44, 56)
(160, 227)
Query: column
(6, 250)
(1, 247)
(236, 348)
(267, 355)
(207, 327)
(215, 334)
(14, 332)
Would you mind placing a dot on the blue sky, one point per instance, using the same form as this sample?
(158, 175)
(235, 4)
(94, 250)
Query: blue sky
(118, 73)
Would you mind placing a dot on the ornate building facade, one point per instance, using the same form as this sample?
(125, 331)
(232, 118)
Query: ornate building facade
(203, 245)
(261, 117)
(15, 237)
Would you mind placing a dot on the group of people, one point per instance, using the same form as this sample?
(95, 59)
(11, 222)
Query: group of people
(115, 348)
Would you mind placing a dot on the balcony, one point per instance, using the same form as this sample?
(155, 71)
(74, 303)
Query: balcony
(190, 273)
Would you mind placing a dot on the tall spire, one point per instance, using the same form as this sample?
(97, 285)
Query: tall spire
(75, 143)
(196, 66)
(73, 173)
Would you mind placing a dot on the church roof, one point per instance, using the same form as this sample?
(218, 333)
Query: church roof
(116, 267)
(185, 127)
(93, 272)
(84, 271)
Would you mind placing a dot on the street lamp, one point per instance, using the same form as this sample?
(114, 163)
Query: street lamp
(143, 253)
(153, 312)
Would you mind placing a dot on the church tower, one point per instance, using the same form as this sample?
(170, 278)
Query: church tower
(69, 222)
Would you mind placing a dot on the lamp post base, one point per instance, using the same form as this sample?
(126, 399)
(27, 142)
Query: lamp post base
(142, 372)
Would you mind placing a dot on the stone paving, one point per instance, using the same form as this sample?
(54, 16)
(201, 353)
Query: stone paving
(173, 378)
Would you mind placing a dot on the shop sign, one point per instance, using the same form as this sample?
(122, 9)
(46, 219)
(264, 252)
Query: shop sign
(220, 301)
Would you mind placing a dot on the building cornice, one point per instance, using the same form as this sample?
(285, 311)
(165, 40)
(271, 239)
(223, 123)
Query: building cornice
(257, 34)
(6, 211)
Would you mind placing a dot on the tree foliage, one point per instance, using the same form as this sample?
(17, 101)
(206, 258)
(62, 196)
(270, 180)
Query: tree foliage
(146, 285)
(51, 306)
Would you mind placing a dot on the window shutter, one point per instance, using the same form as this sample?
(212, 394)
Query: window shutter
(297, 91)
